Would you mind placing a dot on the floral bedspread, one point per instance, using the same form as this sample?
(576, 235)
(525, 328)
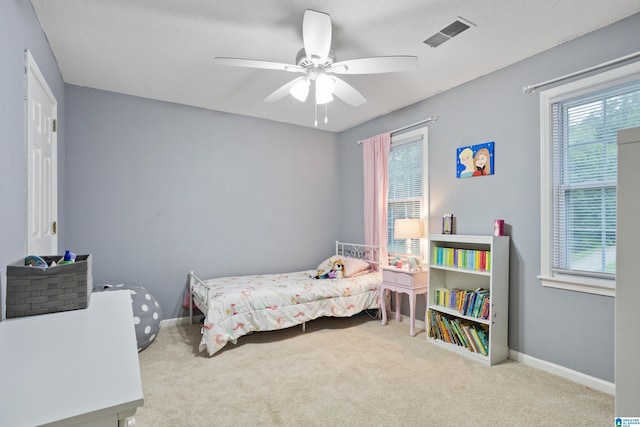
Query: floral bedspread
(243, 304)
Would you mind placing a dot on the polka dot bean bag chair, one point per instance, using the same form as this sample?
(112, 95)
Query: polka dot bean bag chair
(147, 313)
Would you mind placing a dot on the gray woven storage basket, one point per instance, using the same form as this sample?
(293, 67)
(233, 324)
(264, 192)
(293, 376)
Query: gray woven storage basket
(35, 290)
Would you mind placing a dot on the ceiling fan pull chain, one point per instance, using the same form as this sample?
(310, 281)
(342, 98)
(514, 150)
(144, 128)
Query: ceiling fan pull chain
(315, 106)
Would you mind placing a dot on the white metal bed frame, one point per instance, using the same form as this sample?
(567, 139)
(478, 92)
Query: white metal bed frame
(369, 253)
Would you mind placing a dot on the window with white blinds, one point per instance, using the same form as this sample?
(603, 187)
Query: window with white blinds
(406, 189)
(582, 168)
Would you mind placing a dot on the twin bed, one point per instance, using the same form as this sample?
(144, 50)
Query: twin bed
(236, 306)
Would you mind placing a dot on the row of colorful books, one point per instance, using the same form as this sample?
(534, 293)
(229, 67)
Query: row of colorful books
(456, 331)
(469, 259)
(474, 303)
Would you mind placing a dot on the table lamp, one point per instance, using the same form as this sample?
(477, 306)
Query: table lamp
(409, 228)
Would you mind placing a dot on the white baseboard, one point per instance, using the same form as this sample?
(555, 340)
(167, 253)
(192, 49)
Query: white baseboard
(564, 372)
(552, 368)
(179, 321)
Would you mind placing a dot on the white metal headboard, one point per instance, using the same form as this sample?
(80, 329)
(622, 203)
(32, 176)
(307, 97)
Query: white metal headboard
(369, 253)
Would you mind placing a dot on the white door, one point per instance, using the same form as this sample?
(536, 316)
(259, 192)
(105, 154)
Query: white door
(42, 153)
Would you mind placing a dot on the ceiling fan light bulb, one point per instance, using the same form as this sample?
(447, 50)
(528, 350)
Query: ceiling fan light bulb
(300, 90)
(325, 83)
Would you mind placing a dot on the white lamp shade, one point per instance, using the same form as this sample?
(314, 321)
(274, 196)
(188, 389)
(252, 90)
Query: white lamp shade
(300, 90)
(325, 85)
(408, 228)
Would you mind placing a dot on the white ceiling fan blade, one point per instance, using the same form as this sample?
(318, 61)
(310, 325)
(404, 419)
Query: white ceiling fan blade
(282, 91)
(255, 63)
(375, 65)
(348, 93)
(316, 35)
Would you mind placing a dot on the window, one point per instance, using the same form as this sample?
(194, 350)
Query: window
(407, 185)
(579, 128)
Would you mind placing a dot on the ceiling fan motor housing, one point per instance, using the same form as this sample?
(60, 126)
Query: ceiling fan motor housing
(304, 62)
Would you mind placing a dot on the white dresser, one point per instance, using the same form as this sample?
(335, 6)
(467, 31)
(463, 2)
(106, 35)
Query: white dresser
(75, 368)
(627, 347)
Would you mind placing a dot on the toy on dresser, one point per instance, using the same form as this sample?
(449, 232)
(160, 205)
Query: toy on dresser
(414, 264)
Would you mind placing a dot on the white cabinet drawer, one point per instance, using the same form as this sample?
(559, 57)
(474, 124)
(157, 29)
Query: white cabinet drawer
(406, 279)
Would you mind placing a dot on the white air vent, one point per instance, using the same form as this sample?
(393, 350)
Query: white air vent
(448, 32)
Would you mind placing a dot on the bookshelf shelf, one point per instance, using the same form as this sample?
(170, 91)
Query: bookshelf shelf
(452, 312)
(486, 259)
(456, 349)
(463, 270)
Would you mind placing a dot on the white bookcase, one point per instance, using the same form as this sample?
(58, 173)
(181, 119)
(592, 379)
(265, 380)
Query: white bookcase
(449, 275)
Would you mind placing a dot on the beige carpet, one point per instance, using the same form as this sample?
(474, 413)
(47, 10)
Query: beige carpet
(350, 372)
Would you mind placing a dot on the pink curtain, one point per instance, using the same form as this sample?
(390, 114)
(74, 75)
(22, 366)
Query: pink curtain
(375, 152)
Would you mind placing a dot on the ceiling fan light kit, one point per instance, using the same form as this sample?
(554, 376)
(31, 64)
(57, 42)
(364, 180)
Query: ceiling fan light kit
(325, 85)
(317, 62)
(300, 89)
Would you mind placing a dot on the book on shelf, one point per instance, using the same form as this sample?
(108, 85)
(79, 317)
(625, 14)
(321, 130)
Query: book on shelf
(476, 303)
(472, 345)
(483, 334)
(434, 330)
(478, 341)
(443, 330)
(459, 332)
(449, 331)
(469, 259)
(485, 309)
(461, 335)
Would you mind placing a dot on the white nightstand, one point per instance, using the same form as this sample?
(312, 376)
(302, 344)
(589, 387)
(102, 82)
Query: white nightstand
(402, 281)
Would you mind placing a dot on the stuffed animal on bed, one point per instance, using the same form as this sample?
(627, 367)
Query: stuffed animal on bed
(336, 271)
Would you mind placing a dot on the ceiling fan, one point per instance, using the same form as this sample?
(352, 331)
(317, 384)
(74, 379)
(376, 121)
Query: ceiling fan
(316, 61)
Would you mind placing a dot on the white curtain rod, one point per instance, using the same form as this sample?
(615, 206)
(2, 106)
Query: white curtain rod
(532, 88)
(433, 118)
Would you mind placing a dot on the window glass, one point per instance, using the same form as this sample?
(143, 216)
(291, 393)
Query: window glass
(584, 172)
(406, 169)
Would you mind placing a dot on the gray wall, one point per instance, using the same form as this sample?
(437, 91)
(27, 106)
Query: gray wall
(158, 189)
(567, 328)
(20, 30)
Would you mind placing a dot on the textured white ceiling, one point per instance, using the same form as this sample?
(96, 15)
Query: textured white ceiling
(164, 49)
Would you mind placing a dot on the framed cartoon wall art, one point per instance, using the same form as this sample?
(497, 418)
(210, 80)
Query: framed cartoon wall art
(475, 160)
